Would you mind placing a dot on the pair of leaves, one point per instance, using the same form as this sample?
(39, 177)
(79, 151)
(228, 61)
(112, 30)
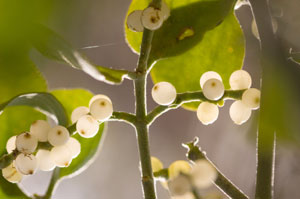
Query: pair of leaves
(198, 36)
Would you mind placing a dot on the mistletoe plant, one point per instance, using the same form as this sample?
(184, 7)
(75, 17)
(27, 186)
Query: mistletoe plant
(193, 50)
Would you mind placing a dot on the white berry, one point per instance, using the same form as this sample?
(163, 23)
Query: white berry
(26, 164)
(177, 167)
(179, 185)
(58, 135)
(11, 144)
(207, 113)
(251, 98)
(45, 161)
(165, 10)
(40, 129)
(156, 164)
(11, 174)
(61, 155)
(240, 79)
(152, 18)
(101, 109)
(164, 93)
(78, 113)
(75, 147)
(239, 112)
(99, 96)
(134, 21)
(87, 126)
(209, 75)
(213, 89)
(203, 174)
(26, 143)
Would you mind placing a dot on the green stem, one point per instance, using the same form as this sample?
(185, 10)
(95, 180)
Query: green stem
(274, 64)
(53, 181)
(141, 112)
(223, 183)
(196, 96)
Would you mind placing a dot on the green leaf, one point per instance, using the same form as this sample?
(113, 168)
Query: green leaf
(71, 99)
(221, 50)
(43, 102)
(10, 191)
(55, 47)
(186, 26)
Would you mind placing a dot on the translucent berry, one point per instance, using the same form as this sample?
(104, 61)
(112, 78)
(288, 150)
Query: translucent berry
(134, 21)
(40, 129)
(78, 113)
(26, 164)
(239, 112)
(209, 75)
(58, 135)
(165, 10)
(87, 126)
(207, 113)
(213, 89)
(203, 174)
(251, 98)
(11, 174)
(164, 93)
(177, 167)
(11, 144)
(99, 96)
(74, 146)
(101, 109)
(157, 165)
(239, 80)
(26, 143)
(45, 161)
(152, 18)
(61, 155)
(179, 185)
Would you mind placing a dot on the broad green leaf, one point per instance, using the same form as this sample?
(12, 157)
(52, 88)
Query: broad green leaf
(10, 191)
(221, 50)
(55, 47)
(18, 75)
(185, 27)
(71, 99)
(43, 102)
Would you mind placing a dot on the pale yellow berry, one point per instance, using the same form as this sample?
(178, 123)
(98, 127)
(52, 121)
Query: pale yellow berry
(177, 167)
(251, 98)
(87, 126)
(26, 143)
(26, 164)
(213, 89)
(239, 112)
(45, 161)
(61, 155)
(11, 174)
(40, 129)
(207, 113)
(58, 136)
(134, 21)
(239, 80)
(163, 93)
(11, 144)
(152, 18)
(156, 164)
(179, 186)
(78, 113)
(203, 174)
(209, 75)
(101, 109)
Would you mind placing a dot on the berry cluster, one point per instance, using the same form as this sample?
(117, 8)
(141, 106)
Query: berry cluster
(183, 177)
(63, 147)
(150, 18)
(164, 93)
